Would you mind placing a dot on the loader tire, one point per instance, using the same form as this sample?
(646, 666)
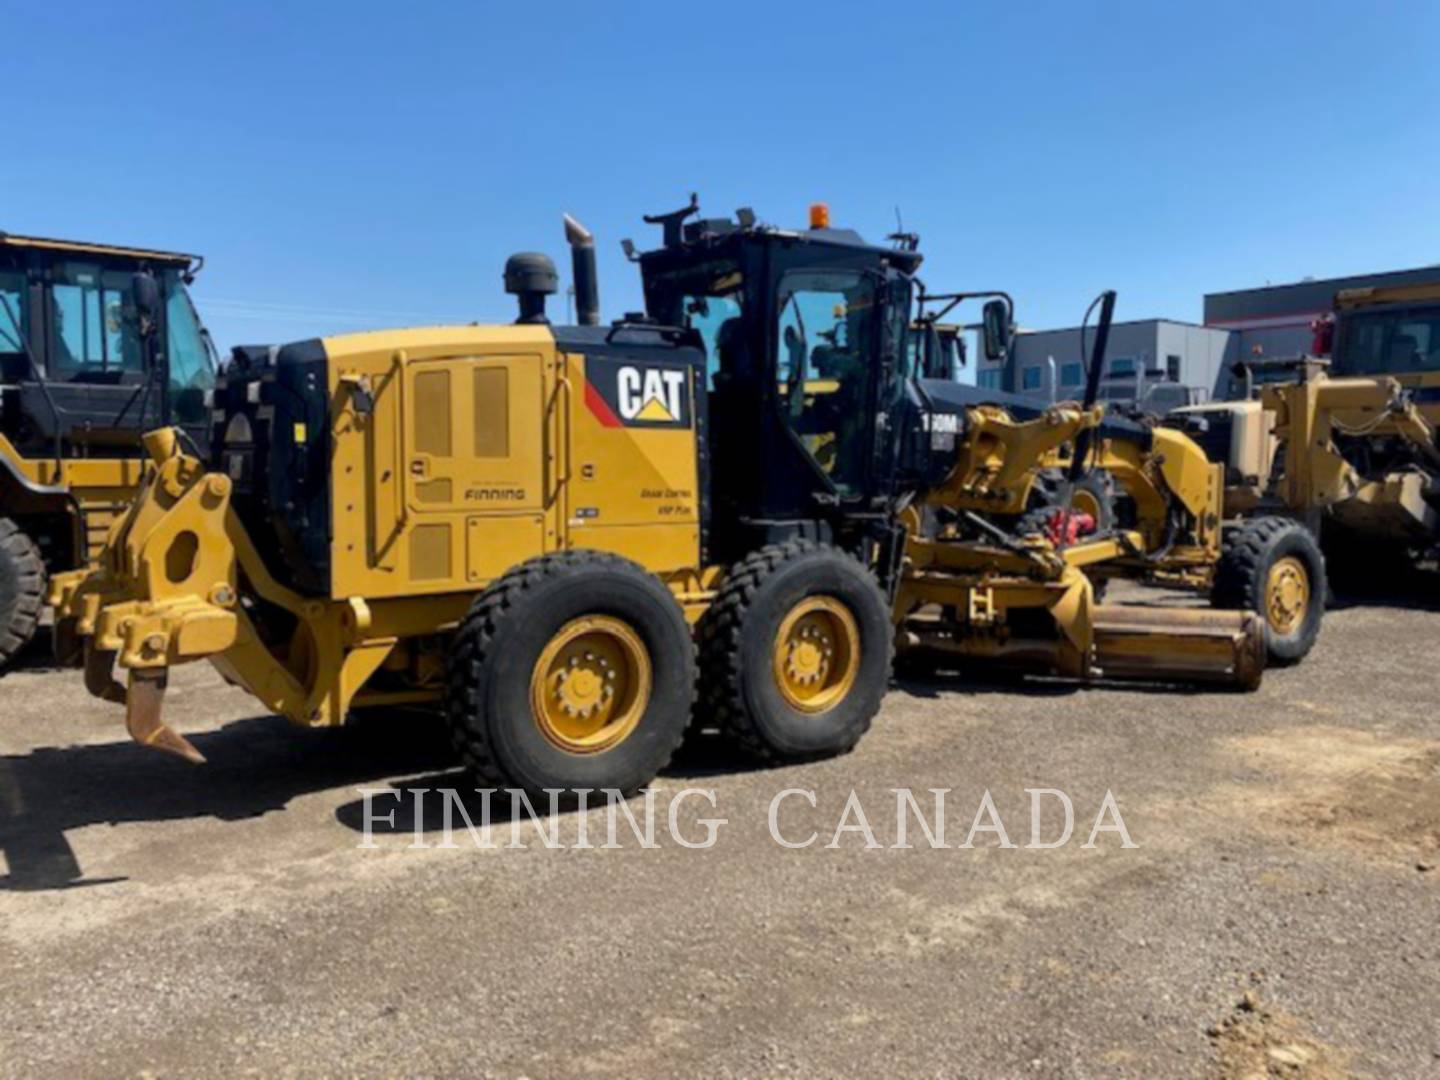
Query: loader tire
(1094, 494)
(22, 590)
(574, 670)
(1273, 567)
(795, 652)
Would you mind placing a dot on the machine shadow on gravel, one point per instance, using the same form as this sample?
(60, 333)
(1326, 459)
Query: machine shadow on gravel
(705, 753)
(1417, 589)
(259, 765)
(36, 658)
(256, 766)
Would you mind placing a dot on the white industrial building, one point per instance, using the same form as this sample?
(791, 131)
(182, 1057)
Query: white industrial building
(1158, 364)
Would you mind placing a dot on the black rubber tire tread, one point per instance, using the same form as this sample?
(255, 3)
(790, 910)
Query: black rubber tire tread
(1240, 575)
(730, 623)
(521, 600)
(22, 589)
(1033, 522)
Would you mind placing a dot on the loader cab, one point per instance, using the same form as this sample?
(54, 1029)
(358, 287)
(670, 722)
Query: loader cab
(805, 339)
(1393, 331)
(98, 344)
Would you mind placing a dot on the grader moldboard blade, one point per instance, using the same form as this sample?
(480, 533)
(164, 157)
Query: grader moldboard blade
(1179, 644)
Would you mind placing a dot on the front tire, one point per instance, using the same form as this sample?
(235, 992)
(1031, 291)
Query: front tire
(22, 590)
(574, 670)
(795, 652)
(1273, 567)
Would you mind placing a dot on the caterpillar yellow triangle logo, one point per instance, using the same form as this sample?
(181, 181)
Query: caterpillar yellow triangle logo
(655, 410)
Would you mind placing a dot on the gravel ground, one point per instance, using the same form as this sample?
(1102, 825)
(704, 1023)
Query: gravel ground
(1275, 916)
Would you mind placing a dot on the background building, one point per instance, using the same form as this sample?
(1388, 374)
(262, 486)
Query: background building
(1157, 363)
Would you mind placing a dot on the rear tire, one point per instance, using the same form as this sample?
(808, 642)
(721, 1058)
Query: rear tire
(574, 670)
(795, 652)
(1273, 567)
(22, 590)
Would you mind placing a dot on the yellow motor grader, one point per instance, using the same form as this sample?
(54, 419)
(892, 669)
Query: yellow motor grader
(1146, 494)
(538, 528)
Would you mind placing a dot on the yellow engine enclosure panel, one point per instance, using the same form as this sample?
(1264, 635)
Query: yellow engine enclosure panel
(484, 447)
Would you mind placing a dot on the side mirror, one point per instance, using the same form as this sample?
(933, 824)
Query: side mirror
(996, 322)
(145, 294)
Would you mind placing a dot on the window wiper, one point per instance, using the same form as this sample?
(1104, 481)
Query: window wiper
(797, 370)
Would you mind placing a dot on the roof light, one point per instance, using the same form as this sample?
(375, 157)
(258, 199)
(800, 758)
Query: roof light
(819, 215)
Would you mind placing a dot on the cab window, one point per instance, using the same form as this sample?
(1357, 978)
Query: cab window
(13, 323)
(14, 327)
(92, 323)
(716, 319)
(190, 371)
(1391, 343)
(825, 338)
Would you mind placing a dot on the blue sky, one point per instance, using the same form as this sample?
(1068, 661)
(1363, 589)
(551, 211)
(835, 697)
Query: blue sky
(353, 165)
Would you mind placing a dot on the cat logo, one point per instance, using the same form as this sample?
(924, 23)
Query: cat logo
(650, 394)
(622, 393)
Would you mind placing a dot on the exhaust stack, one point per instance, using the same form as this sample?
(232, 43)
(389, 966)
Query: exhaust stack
(587, 285)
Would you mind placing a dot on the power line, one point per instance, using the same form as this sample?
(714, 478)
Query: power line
(266, 308)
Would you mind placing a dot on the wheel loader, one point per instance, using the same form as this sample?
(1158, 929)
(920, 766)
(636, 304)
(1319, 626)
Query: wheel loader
(1343, 441)
(563, 536)
(98, 344)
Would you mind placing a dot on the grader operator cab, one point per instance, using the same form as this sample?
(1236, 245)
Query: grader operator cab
(98, 344)
(539, 527)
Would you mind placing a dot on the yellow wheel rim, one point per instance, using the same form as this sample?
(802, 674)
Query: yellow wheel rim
(1086, 503)
(817, 654)
(591, 685)
(1287, 595)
